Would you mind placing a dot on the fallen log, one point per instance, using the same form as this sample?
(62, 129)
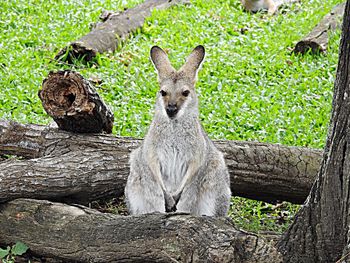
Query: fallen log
(83, 168)
(108, 35)
(79, 234)
(317, 40)
(74, 104)
(75, 177)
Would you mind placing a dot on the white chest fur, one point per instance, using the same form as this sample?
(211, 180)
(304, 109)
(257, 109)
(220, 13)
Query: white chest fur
(175, 145)
(173, 166)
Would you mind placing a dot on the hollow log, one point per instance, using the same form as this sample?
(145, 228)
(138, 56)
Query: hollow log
(107, 36)
(317, 40)
(83, 168)
(79, 234)
(74, 104)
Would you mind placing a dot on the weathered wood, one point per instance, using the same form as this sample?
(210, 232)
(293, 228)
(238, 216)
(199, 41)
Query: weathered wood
(74, 104)
(79, 234)
(79, 177)
(317, 40)
(89, 167)
(107, 36)
(320, 231)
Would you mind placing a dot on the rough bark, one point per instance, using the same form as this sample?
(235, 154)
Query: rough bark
(107, 36)
(74, 104)
(86, 167)
(317, 40)
(79, 177)
(320, 232)
(79, 234)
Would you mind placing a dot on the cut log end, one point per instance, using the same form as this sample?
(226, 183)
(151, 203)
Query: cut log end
(304, 46)
(74, 104)
(76, 51)
(63, 93)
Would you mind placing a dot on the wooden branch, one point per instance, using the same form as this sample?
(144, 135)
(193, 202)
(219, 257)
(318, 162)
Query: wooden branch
(317, 40)
(107, 36)
(74, 104)
(83, 168)
(270, 172)
(78, 177)
(79, 234)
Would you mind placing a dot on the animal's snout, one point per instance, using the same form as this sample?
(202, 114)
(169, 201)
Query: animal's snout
(171, 110)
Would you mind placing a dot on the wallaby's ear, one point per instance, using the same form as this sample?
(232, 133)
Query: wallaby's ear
(193, 62)
(161, 62)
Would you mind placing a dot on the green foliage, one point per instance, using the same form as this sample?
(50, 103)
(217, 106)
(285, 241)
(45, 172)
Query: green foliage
(8, 255)
(19, 249)
(5, 252)
(251, 86)
(31, 34)
(259, 216)
(114, 206)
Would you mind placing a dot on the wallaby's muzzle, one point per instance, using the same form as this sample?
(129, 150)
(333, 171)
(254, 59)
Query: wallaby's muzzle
(171, 110)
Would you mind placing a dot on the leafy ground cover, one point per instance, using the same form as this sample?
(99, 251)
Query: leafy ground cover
(251, 87)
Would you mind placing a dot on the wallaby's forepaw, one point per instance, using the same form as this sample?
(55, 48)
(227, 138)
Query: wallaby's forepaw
(177, 197)
(170, 204)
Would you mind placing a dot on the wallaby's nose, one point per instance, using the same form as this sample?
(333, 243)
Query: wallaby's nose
(171, 109)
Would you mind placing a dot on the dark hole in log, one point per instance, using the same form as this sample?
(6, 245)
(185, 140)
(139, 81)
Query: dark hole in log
(305, 46)
(70, 99)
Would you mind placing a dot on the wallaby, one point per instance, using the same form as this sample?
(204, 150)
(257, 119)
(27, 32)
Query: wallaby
(270, 5)
(177, 167)
(256, 5)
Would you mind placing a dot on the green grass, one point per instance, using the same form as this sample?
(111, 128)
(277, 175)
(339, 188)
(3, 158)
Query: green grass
(31, 33)
(251, 87)
(259, 216)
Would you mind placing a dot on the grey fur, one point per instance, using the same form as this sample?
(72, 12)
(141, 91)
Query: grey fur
(177, 167)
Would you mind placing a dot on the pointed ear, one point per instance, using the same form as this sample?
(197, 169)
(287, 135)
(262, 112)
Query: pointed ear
(161, 62)
(193, 62)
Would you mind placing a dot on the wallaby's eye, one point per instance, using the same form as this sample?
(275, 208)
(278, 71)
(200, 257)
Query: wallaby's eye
(163, 93)
(185, 93)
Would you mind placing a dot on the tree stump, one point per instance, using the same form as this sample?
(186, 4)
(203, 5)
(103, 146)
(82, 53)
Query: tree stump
(74, 104)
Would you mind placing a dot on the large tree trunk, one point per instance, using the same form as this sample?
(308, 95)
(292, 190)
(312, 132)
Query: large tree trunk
(78, 234)
(320, 232)
(317, 40)
(83, 168)
(74, 104)
(107, 36)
